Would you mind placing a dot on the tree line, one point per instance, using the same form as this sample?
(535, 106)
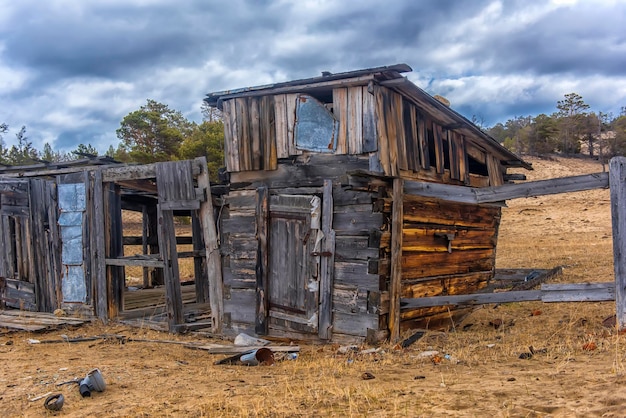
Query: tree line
(152, 133)
(571, 129)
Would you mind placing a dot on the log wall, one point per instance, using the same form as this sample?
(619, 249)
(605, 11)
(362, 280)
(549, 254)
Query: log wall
(447, 249)
(359, 298)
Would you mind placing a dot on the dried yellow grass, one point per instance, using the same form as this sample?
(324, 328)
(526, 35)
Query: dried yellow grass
(478, 371)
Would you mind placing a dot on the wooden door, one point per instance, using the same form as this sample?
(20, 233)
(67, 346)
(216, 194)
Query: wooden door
(293, 271)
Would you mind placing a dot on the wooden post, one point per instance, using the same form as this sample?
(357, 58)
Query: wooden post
(144, 246)
(262, 261)
(617, 182)
(114, 248)
(327, 264)
(396, 260)
(167, 244)
(97, 247)
(201, 277)
(213, 258)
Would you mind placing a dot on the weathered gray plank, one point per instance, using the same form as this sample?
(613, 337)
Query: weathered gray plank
(356, 222)
(471, 299)
(167, 244)
(356, 273)
(327, 264)
(240, 304)
(578, 292)
(354, 324)
(396, 259)
(97, 247)
(542, 187)
(508, 191)
(370, 142)
(135, 172)
(306, 171)
(617, 171)
(351, 247)
(262, 261)
(211, 245)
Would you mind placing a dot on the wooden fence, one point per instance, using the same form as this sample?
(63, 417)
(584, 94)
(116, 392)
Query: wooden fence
(570, 292)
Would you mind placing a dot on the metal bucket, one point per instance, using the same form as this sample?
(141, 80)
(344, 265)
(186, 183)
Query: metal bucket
(260, 356)
(93, 382)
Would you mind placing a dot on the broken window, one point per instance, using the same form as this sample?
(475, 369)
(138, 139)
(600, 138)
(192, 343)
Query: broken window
(316, 126)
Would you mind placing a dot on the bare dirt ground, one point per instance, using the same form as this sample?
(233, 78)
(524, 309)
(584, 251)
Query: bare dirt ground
(578, 369)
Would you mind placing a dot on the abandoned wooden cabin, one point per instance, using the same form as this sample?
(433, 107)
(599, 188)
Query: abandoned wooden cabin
(64, 242)
(325, 226)
(333, 210)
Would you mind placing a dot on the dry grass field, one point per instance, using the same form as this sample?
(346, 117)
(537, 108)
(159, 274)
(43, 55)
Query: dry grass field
(578, 369)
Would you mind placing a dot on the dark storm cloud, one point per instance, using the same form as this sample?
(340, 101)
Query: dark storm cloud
(582, 40)
(70, 70)
(106, 41)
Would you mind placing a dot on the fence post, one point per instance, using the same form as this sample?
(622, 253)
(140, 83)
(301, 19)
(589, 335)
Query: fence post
(617, 183)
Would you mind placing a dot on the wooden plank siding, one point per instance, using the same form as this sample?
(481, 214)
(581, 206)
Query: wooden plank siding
(398, 137)
(447, 249)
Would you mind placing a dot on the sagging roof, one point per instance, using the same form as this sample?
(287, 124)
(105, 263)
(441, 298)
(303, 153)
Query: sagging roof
(390, 77)
(43, 168)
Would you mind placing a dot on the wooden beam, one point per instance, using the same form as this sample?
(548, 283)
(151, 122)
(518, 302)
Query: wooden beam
(348, 82)
(97, 248)
(201, 277)
(113, 248)
(167, 246)
(570, 292)
(396, 259)
(449, 192)
(542, 187)
(464, 194)
(578, 292)
(213, 258)
(137, 172)
(136, 262)
(327, 263)
(471, 299)
(617, 180)
(262, 261)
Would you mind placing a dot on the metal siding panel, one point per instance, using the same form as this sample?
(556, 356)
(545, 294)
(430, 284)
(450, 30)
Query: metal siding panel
(73, 284)
(71, 197)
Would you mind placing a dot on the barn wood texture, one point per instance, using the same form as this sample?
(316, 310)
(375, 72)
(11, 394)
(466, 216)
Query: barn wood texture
(357, 207)
(361, 144)
(82, 268)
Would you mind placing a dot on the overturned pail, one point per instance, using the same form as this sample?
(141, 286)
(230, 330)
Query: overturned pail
(260, 356)
(93, 382)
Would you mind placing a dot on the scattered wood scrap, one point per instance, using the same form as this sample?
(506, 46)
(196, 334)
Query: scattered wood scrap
(233, 349)
(196, 345)
(36, 321)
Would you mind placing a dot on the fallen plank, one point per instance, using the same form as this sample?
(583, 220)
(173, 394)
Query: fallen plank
(571, 292)
(578, 292)
(471, 299)
(36, 321)
(508, 191)
(234, 349)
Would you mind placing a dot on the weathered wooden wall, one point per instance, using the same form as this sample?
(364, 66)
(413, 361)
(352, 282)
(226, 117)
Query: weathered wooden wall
(29, 258)
(398, 137)
(447, 249)
(358, 301)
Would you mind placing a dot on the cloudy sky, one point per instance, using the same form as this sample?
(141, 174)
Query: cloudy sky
(70, 70)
